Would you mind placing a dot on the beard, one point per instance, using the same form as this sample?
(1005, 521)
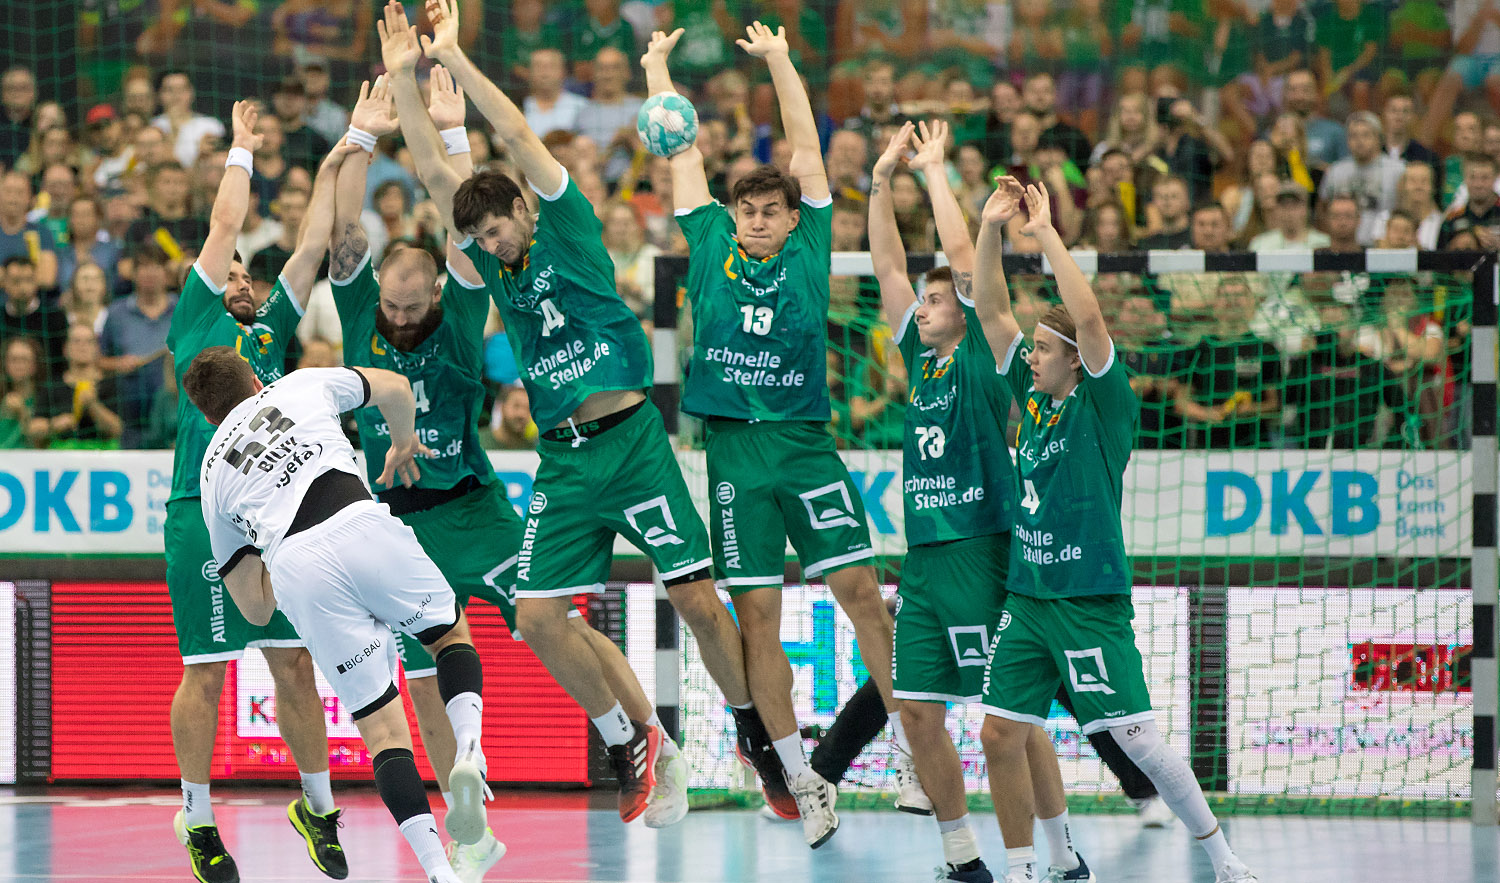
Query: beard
(242, 309)
(409, 338)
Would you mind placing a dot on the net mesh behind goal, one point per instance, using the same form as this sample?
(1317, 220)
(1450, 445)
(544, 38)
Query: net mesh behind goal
(1297, 517)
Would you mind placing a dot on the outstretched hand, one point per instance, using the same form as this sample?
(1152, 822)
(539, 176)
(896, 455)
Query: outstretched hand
(763, 42)
(398, 40)
(1004, 203)
(894, 151)
(661, 46)
(244, 118)
(444, 40)
(446, 106)
(1038, 210)
(931, 142)
(401, 463)
(375, 111)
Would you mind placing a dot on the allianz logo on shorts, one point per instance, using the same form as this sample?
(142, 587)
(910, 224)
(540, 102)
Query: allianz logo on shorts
(1086, 671)
(659, 530)
(538, 503)
(724, 493)
(829, 506)
(970, 645)
(1004, 620)
(210, 571)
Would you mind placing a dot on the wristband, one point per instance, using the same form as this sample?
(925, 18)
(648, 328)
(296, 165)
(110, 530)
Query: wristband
(456, 140)
(239, 156)
(362, 138)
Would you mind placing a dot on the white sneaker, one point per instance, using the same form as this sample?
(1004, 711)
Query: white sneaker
(1234, 871)
(179, 827)
(909, 794)
(471, 862)
(1154, 813)
(466, 821)
(668, 803)
(772, 815)
(816, 797)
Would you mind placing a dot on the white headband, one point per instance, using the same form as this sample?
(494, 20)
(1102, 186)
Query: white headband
(1065, 338)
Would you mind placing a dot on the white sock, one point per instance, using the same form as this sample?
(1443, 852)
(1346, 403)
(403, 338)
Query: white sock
(747, 706)
(421, 832)
(1021, 864)
(789, 749)
(197, 809)
(1217, 847)
(1059, 842)
(466, 714)
(899, 731)
(448, 799)
(318, 792)
(959, 845)
(668, 744)
(613, 726)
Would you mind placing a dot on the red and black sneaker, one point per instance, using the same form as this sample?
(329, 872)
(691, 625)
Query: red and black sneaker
(752, 745)
(634, 764)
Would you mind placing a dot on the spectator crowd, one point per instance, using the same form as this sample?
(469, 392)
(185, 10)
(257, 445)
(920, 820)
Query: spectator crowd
(1215, 125)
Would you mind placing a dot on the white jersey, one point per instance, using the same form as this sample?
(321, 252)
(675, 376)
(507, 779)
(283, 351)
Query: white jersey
(266, 453)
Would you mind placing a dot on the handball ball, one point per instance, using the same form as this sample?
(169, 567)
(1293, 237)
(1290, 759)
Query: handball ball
(667, 124)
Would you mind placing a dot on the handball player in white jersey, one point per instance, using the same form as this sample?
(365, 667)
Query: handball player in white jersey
(292, 525)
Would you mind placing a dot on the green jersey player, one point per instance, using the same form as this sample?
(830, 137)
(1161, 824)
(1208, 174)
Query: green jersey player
(1067, 617)
(758, 281)
(607, 467)
(217, 308)
(958, 493)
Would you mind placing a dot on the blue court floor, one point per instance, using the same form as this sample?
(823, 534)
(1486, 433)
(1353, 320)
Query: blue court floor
(113, 835)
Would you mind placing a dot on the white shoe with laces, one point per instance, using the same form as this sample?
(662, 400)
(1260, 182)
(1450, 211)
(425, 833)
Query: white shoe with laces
(816, 797)
(909, 794)
(668, 803)
(472, 862)
(1234, 871)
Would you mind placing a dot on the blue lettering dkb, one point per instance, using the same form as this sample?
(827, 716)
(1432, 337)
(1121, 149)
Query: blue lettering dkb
(53, 499)
(871, 495)
(1292, 501)
(15, 505)
(1353, 500)
(109, 509)
(1215, 522)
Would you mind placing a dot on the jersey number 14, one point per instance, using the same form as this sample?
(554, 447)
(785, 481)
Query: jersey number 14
(552, 318)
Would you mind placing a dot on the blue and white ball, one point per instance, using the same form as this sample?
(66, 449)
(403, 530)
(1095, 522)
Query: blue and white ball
(667, 124)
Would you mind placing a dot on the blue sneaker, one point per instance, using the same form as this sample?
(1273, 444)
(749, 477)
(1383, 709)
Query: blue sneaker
(1080, 874)
(979, 874)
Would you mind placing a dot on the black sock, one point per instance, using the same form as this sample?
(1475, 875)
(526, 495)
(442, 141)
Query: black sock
(858, 723)
(459, 671)
(400, 785)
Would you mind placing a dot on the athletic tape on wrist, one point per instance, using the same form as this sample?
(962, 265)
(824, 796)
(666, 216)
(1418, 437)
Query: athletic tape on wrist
(362, 138)
(456, 140)
(239, 156)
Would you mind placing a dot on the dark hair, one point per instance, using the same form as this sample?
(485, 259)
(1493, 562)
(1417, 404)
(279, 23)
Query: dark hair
(1474, 157)
(485, 193)
(1405, 215)
(155, 171)
(16, 259)
(1210, 206)
(1342, 197)
(939, 274)
(383, 189)
(768, 179)
(218, 380)
(148, 252)
(170, 72)
(38, 370)
(1170, 179)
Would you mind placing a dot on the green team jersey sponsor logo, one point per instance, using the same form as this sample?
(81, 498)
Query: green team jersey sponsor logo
(200, 321)
(1070, 467)
(446, 375)
(957, 475)
(759, 325)
(571, 333)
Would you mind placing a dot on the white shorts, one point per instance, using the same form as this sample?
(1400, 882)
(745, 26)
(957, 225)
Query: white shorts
(347, 585)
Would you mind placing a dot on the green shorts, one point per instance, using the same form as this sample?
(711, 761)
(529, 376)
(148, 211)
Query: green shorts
(1085, 644)
(623, 481)
(769, 482)
(474, 541)
(950, 601)
(209, 625)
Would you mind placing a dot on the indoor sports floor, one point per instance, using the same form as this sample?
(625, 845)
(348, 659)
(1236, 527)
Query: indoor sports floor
(119, 835)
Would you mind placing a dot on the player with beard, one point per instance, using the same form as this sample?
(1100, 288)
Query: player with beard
(217, 308)
(402, 320)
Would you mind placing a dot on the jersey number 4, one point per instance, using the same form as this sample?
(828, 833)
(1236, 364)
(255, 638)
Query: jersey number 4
(931, 441)
(1031, 502)
(552, 318)
(757, 319)
(419, 392)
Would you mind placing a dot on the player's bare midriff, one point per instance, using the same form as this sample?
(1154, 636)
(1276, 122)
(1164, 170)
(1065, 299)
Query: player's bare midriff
(602, 404)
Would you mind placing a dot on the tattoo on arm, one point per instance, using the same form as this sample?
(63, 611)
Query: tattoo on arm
(349, 248)
(963, 282)
(874, 188)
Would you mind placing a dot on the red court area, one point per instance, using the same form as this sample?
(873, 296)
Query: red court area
(115, 667)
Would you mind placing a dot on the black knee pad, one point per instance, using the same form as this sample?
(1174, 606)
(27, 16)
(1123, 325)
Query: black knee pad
(400, 784)
(459, 671)
(701, 573)
(385, 699)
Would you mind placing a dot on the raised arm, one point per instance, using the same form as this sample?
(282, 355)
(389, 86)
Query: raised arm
(446, 107)
(796, 110)
(991, 294)
(689, 180)
(886, 251)
(375, 116)
(399, 49)
(530, 155)
(233, 199)
(301, 269)
(1094, 346)
(391, 393)
(953, 230)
